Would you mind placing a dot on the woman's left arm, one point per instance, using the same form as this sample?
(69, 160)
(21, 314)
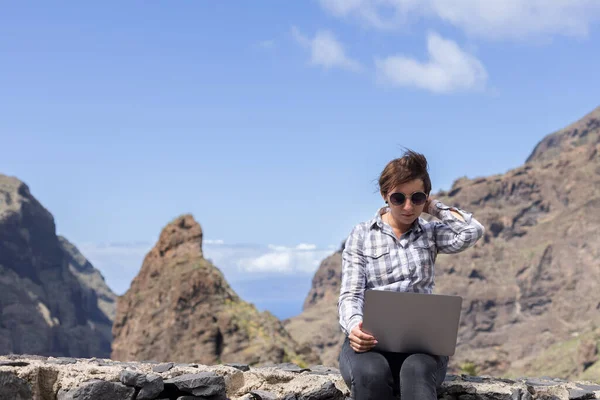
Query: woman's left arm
(457, 231)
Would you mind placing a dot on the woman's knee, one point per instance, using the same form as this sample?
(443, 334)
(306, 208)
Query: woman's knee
(373, 370)
(366, 371)
(422, 365)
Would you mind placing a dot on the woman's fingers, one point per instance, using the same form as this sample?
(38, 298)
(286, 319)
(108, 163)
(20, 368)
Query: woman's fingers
(361, 345)
(361, 348)
(365, 342)
(365, 336)
(360, 334)
(362, 337)
(361, 341)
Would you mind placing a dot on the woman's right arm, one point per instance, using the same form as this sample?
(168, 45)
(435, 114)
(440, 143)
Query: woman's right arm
(350, 303)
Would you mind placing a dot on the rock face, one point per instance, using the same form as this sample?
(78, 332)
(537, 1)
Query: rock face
(85, 379)
(530, 286)
(179, 307)
(91, 278)
(317, 325)
(47, 305)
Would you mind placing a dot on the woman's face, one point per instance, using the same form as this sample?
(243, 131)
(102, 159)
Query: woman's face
(407, 212)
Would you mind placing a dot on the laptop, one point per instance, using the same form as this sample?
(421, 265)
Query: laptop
(409, 322)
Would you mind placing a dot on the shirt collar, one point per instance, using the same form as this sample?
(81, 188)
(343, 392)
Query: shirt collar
(378, 222)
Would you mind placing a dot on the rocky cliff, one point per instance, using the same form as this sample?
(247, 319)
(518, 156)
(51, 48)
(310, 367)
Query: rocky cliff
(180, 308)
(317, 325)
(91, 278)
(530, 286)
(52, 301)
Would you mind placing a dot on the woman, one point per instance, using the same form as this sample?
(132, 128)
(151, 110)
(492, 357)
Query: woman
(396, 250)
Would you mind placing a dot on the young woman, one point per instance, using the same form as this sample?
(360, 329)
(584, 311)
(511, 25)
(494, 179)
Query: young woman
(396, 250)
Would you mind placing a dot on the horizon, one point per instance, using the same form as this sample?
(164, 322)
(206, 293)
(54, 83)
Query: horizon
(271, 124)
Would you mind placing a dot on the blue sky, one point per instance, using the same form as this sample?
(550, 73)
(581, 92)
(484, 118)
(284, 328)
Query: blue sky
(270, 121)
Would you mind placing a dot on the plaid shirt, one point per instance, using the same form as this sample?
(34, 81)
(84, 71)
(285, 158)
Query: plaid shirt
(374, 258)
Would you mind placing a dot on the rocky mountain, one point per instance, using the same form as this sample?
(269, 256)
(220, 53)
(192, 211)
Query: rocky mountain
(52, 300)
(530, 287)
(91, 278)
(180, 308)
(317, 325)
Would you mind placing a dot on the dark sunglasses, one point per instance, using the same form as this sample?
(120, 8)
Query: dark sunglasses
(417, 198)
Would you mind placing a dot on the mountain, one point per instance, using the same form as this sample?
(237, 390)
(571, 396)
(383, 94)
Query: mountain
(530, 285)
(180, 308)
(91, 278)
(317, 326)
(52, 300)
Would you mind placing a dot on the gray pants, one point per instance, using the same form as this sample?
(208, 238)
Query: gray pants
(382, 375)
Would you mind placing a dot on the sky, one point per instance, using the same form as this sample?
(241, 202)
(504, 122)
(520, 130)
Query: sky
(270, 121)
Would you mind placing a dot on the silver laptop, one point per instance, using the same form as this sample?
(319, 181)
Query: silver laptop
(412, 322)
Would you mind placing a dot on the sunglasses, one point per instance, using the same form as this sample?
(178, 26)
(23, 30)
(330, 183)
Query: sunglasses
(417, 198)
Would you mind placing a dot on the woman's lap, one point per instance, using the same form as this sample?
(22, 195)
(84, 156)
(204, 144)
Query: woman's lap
(375, 374)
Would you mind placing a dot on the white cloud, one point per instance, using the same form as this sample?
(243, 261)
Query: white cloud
(213, 241)
(326, 51)
(306, 246)
(301, 246)
(303, 258)
(271, 262)
(517, 18)
(278, 248)
(448, 69)
(487, 18)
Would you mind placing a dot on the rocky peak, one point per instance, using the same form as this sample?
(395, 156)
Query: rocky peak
(183, 236)
(181, 307)
(580, 134)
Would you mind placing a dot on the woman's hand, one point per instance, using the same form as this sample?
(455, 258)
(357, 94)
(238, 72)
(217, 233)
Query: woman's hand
(361, 341)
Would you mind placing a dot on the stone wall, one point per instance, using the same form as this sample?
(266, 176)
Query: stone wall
(42, 378)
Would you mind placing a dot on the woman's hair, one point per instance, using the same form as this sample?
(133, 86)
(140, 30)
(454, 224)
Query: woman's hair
(409, 167)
